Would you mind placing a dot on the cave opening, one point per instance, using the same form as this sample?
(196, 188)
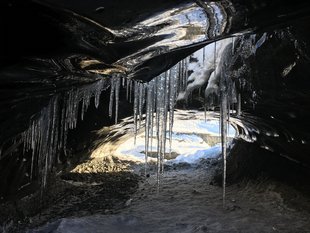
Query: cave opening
(188, 116)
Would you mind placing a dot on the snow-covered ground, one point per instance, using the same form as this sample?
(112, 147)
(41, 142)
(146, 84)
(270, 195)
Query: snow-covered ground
(200, 126)
(187, 141)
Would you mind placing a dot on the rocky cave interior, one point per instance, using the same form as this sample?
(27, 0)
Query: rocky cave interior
(79, 80)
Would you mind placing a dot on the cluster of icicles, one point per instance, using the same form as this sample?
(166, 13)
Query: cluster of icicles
(153, 104)
(47, 134)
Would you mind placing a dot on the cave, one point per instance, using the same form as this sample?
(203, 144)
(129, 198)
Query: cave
(154, 116)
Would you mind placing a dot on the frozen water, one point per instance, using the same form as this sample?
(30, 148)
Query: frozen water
(153, 104)
(45, 138)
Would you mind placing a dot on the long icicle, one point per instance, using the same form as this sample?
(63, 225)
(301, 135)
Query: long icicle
(165, 115)
(148, 122)
(223, 121)
(135, 110)
(172, 93)
(111, 96)
(158, 113)
(239, 105)
(141, 99)
(223, 117)
(117, 90)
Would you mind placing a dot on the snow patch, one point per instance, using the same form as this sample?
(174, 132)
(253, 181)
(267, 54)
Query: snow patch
(187, 142)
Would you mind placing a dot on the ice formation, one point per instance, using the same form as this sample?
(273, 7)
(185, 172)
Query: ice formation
(48, 130)
(153, 103)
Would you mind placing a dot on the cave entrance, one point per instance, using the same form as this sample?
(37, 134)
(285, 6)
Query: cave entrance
(195, 136)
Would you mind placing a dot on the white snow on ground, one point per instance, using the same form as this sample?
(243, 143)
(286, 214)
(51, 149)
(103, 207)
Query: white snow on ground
(186, 142)
(212, 152)
(198, 126)
(185, 145)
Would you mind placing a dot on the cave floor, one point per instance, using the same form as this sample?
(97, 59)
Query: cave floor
(187, 201)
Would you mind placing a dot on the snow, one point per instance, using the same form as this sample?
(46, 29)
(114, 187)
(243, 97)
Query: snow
(192, 158)
(205, 69)
(187, 141)
(210, 127)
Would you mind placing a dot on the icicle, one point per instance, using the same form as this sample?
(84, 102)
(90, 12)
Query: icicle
(261, 41)
(135, 109)
(158, 112)
(111, 96)
(180, 73)
(123, 81)
(147, 130)
(228, 117)
(141, 99)
(214, 58)
(43, 137)
(233, 45)
(32, 164)
(253, 44)
(172, 96)
(223, 117)
(165, 115)
(149, 119)
(153, 101)
(239, 105)
(128, 89)
(117, 90)
(204, 54)
(185, 73)
(98, 91)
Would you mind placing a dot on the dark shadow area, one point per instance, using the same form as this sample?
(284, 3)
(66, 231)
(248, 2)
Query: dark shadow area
(248, 163)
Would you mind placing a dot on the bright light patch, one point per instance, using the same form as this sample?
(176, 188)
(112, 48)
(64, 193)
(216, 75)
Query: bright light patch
(192, 140)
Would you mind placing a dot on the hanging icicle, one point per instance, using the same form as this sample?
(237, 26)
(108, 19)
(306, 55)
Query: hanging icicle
(47, 133)
(112, 86)
(115, 86)
(158, 96)
(117, 90)
(223, 125)
(135, 109)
